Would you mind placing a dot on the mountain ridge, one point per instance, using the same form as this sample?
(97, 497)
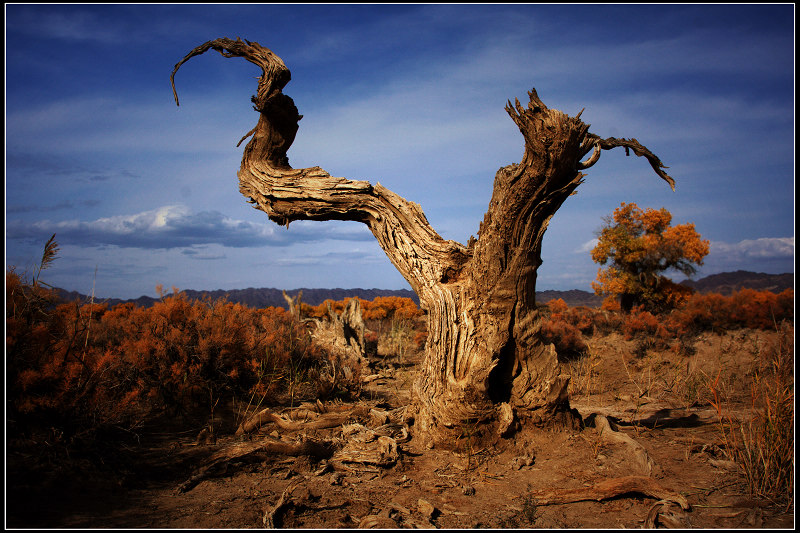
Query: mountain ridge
(724, 283)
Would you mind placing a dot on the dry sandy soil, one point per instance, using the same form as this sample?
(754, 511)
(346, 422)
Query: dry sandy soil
(656, 402)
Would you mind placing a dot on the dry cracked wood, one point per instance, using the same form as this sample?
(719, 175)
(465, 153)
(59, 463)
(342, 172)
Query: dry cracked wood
(664, 512)
(272, 514)
(294, 304)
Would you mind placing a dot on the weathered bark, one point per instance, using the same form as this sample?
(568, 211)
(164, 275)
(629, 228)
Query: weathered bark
(484, 351)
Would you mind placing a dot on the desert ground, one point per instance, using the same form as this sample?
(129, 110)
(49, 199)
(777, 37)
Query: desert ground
(647, 416)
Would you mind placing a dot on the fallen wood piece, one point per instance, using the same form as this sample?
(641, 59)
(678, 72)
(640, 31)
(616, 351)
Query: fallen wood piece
(375, 521)
(391, 517)
(400, 415)
(327, 420)
(378, 417)
(217, 464)
(662, 513)
(398, 432)
(316, 407)
(609, 488)
(379, 452)
(302, 414)
(263, 417)
(641, 459)
(315, 448)
(212, 470)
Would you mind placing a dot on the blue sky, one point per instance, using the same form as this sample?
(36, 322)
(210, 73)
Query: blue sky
(143, 192)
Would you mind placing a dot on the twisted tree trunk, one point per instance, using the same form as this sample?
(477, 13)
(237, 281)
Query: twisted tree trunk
(484, 358)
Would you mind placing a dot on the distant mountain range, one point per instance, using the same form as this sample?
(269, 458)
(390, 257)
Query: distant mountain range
(729, 282)
(260, 298)
(724, 283)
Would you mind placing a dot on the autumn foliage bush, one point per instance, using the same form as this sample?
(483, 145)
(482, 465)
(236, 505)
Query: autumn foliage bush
(79, 367)
(564, 328)
(745, 308)
(84, 365)
(382, 310)
(567, 328)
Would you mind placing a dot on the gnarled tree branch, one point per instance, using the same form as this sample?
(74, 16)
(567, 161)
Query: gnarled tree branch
(287, 194)
(638, 149)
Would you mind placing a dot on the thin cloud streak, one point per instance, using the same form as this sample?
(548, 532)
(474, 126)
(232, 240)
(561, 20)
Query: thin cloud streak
(176, 226)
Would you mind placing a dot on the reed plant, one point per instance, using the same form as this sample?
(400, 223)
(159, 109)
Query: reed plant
(762, 444)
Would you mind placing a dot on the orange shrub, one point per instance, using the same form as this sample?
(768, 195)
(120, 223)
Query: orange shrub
(746, 308)
(756, 309)
(567, 338)
(78, 366)
(387, 307)
(640, 323)
(702, 312)
(562, 328)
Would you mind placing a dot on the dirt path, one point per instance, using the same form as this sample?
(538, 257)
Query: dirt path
(486, 488)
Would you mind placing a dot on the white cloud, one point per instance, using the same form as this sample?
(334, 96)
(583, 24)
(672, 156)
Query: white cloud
(587, 246)
(176, 226)
(764, 248)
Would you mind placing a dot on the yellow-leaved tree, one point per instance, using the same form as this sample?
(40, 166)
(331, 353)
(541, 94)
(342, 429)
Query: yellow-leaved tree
(639, 246)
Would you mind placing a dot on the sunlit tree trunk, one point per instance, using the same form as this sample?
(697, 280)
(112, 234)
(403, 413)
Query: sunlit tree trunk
(485, 363)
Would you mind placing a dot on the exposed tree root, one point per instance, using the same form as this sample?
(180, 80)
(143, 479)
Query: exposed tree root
(368, 447)
(610, 488)
(392, 517)
(272, 515)
(322, 421)
(641, 460)
(356, 445)
(218, 463)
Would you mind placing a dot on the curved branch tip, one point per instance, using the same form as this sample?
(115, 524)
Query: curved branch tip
(583, 165)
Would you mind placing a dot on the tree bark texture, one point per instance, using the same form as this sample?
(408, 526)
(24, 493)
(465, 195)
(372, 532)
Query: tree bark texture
(484, 351)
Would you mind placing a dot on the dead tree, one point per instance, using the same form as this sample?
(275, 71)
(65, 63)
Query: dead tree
(484, 357)
(342, 338)
(294, 303)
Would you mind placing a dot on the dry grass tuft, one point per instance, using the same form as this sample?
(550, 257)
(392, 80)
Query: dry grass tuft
(763, 444)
